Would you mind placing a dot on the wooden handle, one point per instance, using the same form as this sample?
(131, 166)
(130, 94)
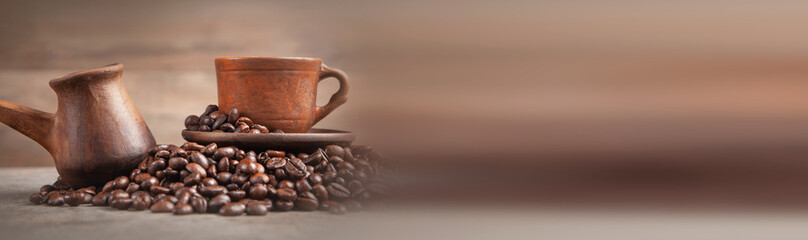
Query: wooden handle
(30, 122)
(339, 98)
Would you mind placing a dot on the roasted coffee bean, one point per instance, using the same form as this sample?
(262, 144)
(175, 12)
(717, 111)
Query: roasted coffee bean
(121, 203)
(306, 204)
(355, 185)
(337, 208)
(210, 109)
(204, 128)
(217, 202)
(196, 168)
(225, 152)
(87, 198)
(133, 187)
(140, 177)
(74, 198)
(192, 190)
(100, 199)
(176, 186)
(162, 207)
(315, 178)
(237, 195)
(256, 208)
(208, 181)
(224, 178)
(218, 121)
(338, 191)
(324, 205)
(276, 163)
(242, 128)
(118, 194)
(162, 154)
(227, 127)
(320, 192)
(283, 206)
(315, 158)
(334, 150)
(45, 189)
(158, 189)
(244, 120)
(210, 149)
(352, 205)
(210, 191)
(260, 128)
(205, 121)
(233, 116)
(295, 168)
(348, 155)
(178, 162)
(200, 204)
(232, 187)
(286, 184)
(121, 182)
(259, 178)
(287, 194)
(171, 199)
(134, 174)
(232, 209)
(183, 209)
(248, 166)
(141, 203)
(155, 166)
(199, 158)
(36, 198)
(302, 185)
(258, 191)
(148, 182)
(224, 165)
(335, 160)
(193, 179)
(56, 199)
(178, 152)
(192, 146)
(254, 131)
(340, 180)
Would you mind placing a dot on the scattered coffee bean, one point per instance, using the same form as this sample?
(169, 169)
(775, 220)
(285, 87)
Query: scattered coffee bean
(162, 207)
(183, 209)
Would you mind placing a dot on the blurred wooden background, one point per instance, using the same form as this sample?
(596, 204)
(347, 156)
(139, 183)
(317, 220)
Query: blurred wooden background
(633, 89)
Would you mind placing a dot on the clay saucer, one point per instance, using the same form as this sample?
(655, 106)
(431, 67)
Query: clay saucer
(315, 138)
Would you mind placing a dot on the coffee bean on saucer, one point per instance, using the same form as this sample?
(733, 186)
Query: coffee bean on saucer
(254, 131)
(233, 116)
(242, 128)
(227, 127)
(191, 121)
(204, 128)
(244, 120)
(261, 128)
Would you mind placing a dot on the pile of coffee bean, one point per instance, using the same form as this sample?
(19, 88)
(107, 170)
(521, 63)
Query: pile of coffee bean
(193, 178)
(213, 120)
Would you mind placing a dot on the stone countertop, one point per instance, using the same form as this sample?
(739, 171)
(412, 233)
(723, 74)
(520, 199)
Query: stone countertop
(22, 220)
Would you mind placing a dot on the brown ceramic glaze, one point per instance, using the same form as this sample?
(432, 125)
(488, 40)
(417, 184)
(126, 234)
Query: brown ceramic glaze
(96, 133)
(280, 93)
(315, 138)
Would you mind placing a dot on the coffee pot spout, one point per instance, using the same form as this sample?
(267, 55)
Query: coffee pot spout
(32, 123)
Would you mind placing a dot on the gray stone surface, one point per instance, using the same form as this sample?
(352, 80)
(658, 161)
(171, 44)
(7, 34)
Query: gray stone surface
(22, 220)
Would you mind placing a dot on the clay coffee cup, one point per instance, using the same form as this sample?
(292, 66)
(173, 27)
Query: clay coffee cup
(278, 92)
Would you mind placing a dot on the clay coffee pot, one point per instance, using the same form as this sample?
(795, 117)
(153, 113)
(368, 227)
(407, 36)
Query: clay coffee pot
(96, 133)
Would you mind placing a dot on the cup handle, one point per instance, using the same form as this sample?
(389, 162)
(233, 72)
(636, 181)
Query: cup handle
(339, 98)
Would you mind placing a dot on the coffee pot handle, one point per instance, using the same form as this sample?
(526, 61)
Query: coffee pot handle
(32, 123)
(339, 98)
